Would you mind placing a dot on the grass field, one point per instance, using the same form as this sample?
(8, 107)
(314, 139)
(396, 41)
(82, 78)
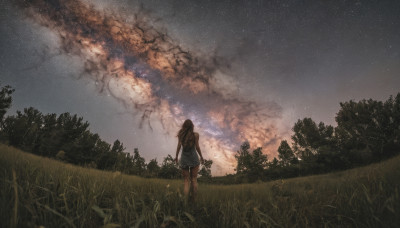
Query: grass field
(36, 191)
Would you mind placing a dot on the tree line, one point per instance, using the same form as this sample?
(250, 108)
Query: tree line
(367, 131)
(67, 138)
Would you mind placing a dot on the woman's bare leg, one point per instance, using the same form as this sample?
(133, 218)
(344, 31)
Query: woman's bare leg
(193, 179)
(186, 178)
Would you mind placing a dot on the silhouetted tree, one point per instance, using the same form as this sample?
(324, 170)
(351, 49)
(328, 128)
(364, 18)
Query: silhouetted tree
(138, 162)
(169, 169)
(243, 158)
(5, 100)
(23, 130)
(259, 162)
(108, 159)
(308, 137)
(286, 154)
(5, 104)
(153, 168)
(274, 163)
(367, 129)
(205, 171)
(118, 147)
(252, 164)
(50, 137)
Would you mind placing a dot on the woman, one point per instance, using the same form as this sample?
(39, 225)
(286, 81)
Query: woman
(189, 141)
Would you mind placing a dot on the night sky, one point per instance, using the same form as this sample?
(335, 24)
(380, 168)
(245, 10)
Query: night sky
(241, 70)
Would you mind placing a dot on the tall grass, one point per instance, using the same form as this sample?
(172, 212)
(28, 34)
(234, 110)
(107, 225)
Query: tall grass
(36, 191)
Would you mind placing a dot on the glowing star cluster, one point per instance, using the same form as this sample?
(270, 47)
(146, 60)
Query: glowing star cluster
(151, 74)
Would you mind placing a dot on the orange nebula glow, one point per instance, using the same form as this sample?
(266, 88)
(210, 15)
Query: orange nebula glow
(149, 72)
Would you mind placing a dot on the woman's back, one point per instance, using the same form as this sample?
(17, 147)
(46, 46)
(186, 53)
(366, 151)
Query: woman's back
(189, 156)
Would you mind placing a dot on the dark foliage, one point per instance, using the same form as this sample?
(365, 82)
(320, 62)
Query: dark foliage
(367, 131)
(169, 169)
(67, 138)
(64, 137)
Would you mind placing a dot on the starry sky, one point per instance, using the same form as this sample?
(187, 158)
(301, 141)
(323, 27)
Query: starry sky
(241, 70)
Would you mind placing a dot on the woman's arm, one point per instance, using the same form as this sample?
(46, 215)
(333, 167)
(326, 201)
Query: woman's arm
(198, 147)
(177, 151)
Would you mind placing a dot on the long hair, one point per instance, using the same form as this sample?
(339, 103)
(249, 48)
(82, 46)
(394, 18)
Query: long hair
(186, 134)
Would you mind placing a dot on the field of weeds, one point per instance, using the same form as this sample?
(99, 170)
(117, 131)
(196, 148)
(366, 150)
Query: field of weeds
(40, 192)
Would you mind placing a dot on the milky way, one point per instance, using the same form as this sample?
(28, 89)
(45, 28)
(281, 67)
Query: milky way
(158, 80)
